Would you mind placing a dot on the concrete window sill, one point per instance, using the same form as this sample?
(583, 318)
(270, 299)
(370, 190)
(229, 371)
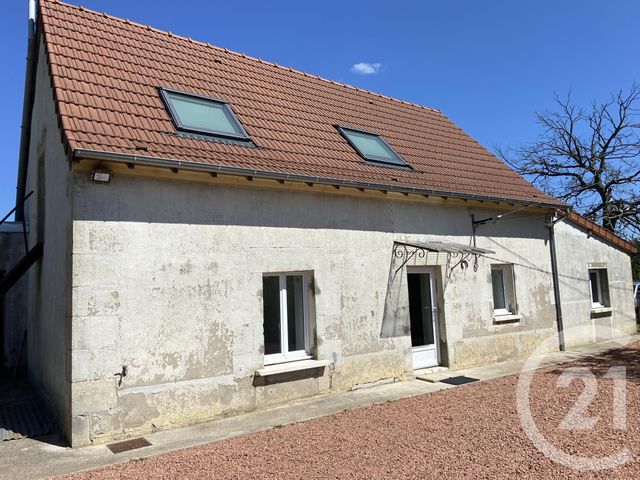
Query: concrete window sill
(507, 318)
(280, 368)
(602, 311)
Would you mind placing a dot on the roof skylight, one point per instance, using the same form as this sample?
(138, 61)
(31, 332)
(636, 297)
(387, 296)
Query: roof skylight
(371, 147)
(203, 115)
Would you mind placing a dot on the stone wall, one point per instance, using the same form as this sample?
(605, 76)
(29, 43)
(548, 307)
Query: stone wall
(167, 282)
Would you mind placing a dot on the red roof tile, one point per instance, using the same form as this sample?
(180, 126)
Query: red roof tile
(602, 233)
(106, 73)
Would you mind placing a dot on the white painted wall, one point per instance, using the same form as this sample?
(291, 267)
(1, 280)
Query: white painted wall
(167, 280)
(576, 250)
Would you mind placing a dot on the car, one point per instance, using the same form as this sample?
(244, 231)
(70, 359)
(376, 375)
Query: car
(636, 300)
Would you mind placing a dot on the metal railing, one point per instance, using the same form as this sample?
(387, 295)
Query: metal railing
(24, 222)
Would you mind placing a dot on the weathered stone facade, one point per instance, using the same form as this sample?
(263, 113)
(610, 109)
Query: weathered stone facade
(167, 281)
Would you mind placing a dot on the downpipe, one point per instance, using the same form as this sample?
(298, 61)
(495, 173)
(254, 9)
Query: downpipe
(556, 279)
(27, 107)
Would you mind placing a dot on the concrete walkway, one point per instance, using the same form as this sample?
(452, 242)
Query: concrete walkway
(47, 456)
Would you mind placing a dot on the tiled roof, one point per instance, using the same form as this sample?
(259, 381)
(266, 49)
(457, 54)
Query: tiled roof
(106, 73)
(602, 233)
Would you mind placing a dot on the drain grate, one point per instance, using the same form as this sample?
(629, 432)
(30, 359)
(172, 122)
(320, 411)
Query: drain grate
(461, 380)
(127, 445)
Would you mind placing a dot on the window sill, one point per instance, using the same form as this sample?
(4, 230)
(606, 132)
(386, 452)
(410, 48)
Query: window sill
(507, 318)
(601, 311)
(288, 367)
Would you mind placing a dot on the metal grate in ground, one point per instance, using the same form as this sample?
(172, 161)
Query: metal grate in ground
(460, 380)
(127, 445)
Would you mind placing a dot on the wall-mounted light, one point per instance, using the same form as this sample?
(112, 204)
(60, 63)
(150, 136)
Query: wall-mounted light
(101, 176)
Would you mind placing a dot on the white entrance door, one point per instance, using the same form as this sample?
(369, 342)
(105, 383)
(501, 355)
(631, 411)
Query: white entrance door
(423, 313)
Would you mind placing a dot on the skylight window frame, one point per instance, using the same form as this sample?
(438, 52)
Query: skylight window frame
(179, 126)
(379, 161)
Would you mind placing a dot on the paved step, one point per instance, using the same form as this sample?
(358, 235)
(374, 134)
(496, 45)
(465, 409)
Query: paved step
(433, 377)
(433, 374)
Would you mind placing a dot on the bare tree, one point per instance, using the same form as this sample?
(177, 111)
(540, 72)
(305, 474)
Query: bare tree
(589, 158)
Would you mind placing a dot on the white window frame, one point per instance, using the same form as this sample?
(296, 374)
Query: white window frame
(508, 291)
(602, 295)
(286, 355)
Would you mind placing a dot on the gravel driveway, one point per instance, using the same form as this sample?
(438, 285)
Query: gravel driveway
(471, 431)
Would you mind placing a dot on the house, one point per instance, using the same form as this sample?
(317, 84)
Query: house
(220, 234)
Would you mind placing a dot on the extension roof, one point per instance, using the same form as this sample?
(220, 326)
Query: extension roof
(602, 233)
(106, 73)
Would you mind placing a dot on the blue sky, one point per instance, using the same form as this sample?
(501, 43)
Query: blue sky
(487, 65)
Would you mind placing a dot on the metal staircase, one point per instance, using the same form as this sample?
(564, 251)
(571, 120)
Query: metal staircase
(16, 272)
(20, 268)
(31, 255)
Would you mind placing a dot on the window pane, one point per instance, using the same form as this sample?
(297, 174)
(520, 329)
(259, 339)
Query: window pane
(271, 301)
(595, 291)
(372, 147)
(202, 114)
(497, 280)
(369, 145)
(295, 313)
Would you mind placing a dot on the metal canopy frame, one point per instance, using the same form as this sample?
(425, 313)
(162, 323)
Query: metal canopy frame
(455, 252)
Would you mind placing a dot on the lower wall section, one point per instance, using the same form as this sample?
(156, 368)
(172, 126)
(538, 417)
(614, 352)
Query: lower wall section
(594, 328)
(104, 412)
(501, 347)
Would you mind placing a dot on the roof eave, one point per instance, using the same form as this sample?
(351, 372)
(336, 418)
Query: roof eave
(600, 232)
(162, 162)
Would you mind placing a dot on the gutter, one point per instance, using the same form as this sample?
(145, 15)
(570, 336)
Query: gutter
(556, 279)
(27, 107)
(131, 159)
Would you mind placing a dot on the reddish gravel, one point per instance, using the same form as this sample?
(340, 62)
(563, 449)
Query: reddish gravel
(472, 431)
